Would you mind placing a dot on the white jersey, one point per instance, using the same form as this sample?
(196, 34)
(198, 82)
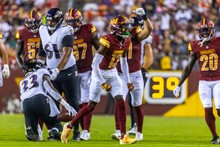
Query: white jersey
(32, 84)
(149, 39)
(52, 45)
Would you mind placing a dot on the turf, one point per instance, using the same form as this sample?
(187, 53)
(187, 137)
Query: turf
(158, 132)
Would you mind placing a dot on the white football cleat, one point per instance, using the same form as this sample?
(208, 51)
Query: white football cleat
(139, 136)
(116, 135)
(85, 135)
(133, 130)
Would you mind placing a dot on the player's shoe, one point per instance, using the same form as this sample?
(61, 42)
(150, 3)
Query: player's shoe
(215, 140)
(116, 135)
(85, 135)
(132, 130)
(127, 140)
(30, 135)
(53, 135)
(76, 135)
(139, 136)
(65, 133)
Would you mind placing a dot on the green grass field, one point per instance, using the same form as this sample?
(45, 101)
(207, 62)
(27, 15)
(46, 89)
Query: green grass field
(158, 132)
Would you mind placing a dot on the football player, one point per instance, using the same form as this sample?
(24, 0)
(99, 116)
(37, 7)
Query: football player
(135, 74)
(38, 92)
(207, 52)
(56, 49)
(112, 48)
(5, 73)
(85, 36)
(28, 38)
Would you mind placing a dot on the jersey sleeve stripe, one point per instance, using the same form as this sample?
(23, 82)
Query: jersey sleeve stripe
(104, 42)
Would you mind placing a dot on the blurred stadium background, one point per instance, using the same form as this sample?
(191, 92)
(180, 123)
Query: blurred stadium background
(173, 22)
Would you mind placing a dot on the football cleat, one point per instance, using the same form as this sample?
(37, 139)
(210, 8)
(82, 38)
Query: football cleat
(215, 140)
(85, 135)
(76, 135)
(30, 135)
(139, 136)
(116, 135)
(127, 140)
(65, 133)
(132, 130)
(53, 135)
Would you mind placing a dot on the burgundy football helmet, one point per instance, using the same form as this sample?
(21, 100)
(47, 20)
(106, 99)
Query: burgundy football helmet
(119, 26)
(33, 21)
(74, 18)
(205, 29)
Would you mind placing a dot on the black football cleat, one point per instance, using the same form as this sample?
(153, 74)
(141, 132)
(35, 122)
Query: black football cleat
(215, 140)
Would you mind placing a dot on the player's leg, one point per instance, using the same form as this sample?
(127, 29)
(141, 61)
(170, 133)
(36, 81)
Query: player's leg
(31, 120)
(84, 87)
(133, 128)
(136, 95)
(117, 133)
(216, 96)
(94, 96)
(45, 114)
(69, 81)
(205, 93)
(117, 93)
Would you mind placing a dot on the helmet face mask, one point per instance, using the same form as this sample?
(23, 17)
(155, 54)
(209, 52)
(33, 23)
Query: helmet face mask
(33, 21)
(205, 29)
(54, 19)
(119, 26)
(74, 18)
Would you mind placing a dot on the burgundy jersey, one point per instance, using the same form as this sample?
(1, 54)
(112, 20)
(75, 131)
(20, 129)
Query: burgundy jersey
(208, 57)
(134, 53)
(31, 43)
(115, 50)
(82, 48)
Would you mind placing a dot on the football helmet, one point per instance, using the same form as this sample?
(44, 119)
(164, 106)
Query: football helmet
(205, 29)
(32, 65)
(74, 18)
(33, 21)
(54, 19)
(119, 26)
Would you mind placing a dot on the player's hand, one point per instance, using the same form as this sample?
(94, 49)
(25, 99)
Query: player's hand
(130, 86)
(71, 111)
(144, 73)
(106, 87)
(6, 71)
(54, 73)
(176, 91)
(139, 11)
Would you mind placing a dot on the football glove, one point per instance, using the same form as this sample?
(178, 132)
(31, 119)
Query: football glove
(53, 73)
(106, 87)
(140, 12)
(176, 91)
(6, 71)
(130, 86)
(144, 73)
(71, 111)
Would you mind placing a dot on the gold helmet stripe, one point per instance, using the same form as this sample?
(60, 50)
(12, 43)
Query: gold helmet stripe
(71, 11)
(31, 13)
(203, 21)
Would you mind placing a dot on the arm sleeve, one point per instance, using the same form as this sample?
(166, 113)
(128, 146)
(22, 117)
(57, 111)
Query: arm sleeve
(68, 41)
(53, 93)
(124, 68)
(41, 50)
(95, 67)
